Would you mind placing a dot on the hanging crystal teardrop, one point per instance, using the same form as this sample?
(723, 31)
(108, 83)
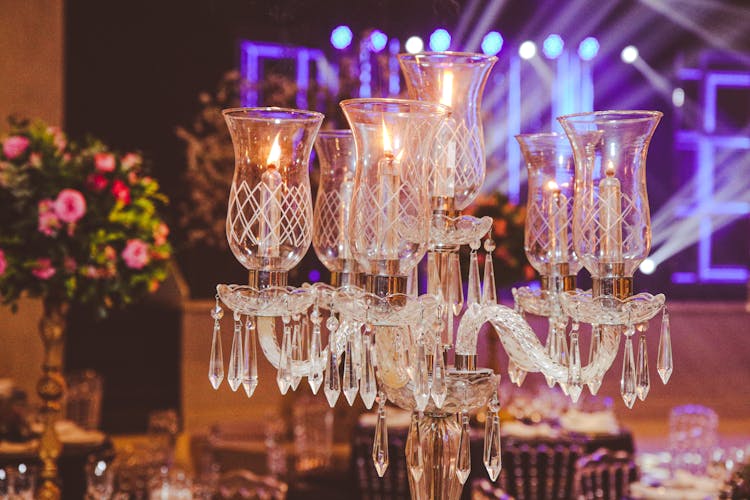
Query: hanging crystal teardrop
(516, 374)
(368, 386)
(627, 380)
(463, 462)
(250, 371)
(296, 349)
(643, 381)
(551, 350)
(414, 453)
(489, 292)
(575, 385)
(492, 455)
(332, 382)
(412, 282)
(380, 443)
(421, 379)
(456, 286)
(317, 366)
(235, 375)
(664, 358)
(350, 382)
(563, 356)
(474, 292)
(439, 389)
(284, 371)
(216, 363)
(596, 339)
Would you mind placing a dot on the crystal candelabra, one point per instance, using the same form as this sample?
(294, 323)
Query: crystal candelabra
(391, 192)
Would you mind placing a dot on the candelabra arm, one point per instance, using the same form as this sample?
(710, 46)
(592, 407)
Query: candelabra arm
(523, 345)
(269, 344)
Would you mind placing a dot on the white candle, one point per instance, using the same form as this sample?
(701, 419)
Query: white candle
(557, 220)
(270, 204)
(390, 183)
(445, 181)
(609, 216)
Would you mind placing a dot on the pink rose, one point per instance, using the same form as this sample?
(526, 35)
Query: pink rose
(70, 205)
(14, 146)
(160, 234)
(96, 182)
(130, 160)
(59, 137)
(121, 192)
(104, 162)
(136, 254)
(3, 262)
(43, 269)
(49, 224)
(35, 159)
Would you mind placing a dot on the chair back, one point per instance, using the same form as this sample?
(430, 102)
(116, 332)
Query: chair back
(394, 485)
(483, 489)
(605, 475)
(539, 469)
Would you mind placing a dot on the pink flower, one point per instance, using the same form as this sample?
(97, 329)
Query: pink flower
(130, 160)
(14, 146)
(160, 234)
(49, 224)
(90, 272)
(121, 192)
(35, 159)
(43, 269)
(59, 137)
(70, 264)
(3, 262)
(70, 205)
(46, 205)
(110, 253)
(136, 254)
(104, 162)
(96, 182)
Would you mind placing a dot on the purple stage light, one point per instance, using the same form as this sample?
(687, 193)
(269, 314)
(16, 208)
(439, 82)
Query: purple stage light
(341, 37)
(588, 48)
(492, 43)
(378, 40)
(440, 40)
(313, 275)
(553, 46)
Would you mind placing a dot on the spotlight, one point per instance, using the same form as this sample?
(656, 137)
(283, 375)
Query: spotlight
(527, 50)
(629, 54)
(313, 275)
(440, 40)
(678, 97)
(588, 48)
(553, 46)
(648, 266)
(492, 43)
(378, 40)
(341, 37)
(414, 45)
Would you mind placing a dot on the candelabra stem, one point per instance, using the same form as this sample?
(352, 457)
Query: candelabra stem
(51, 388)
(259, 279)
(439, 435)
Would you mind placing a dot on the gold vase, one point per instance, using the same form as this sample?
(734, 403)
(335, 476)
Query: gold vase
(51, 387)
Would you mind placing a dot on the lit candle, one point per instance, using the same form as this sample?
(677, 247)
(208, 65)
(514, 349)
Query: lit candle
(390, 183)
(557, 217)
(445, 181)
(609, 216)
(270, 203)
(346, 192)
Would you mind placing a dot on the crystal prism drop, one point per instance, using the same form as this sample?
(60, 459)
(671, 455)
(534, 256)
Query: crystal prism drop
(643, 382)
(456, 290)
(414, 453)
(380, 443)
(421, 379)
(350, 381)
(596, 339)
(575, 385)
(296, 351)
(664, 358)
(563, 357)
(492, 455)
(627, 381)
(367, 384)
(473, 294)
(234, 373)
(216, 363)
(439, 389)
(250, 368)
(412, 282)
(463, 462)
(332, 382)
(315, 376)
(489, 292)
(516, 374)
(284, 371)
(551, 350)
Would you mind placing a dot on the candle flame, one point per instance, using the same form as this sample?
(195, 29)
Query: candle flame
(610, 170)
(553, 187)
(447, 96)
(387, 147)
(275, 155)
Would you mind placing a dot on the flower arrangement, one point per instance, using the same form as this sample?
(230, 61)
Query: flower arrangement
(509, 257)
(79, 224)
